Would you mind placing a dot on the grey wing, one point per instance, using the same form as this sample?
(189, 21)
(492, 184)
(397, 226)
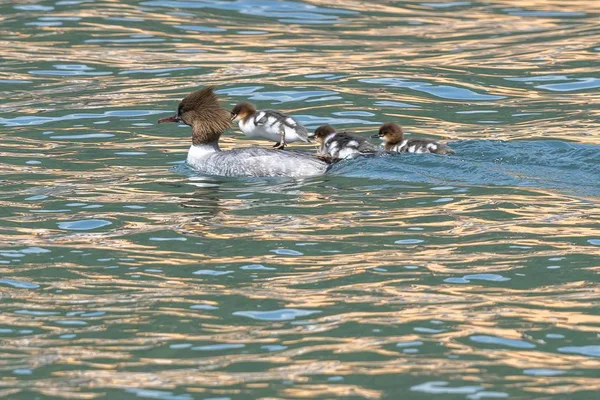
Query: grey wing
(366, 146)
(273, 117)
(362, 145)
(261, 118)
(344, 139)
(301, 131)
(291, 123)
(430, 145)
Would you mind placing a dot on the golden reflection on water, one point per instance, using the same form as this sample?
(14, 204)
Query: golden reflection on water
(371, 293)
(471, 309)
(489, 42)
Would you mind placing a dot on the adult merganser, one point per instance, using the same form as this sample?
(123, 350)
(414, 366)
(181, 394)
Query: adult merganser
(341, 145)
(202, 111)
(268, 124)
(393, 139)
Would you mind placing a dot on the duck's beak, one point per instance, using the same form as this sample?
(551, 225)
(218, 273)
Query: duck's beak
(173, 118)
(375, 135)
(233, 117)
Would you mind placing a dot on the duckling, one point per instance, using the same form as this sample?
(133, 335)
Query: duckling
(393, 140)
(336, 145)
(268, 124)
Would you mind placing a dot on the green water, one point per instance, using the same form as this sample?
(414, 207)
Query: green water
(125, 275)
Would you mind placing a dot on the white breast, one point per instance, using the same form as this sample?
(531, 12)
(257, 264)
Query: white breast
(248, 127)
(262, 131)
(198, 153)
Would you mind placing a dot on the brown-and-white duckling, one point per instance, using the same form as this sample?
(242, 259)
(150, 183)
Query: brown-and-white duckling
(201, 110)
(393, 140)
(339, 145)
(268, 124)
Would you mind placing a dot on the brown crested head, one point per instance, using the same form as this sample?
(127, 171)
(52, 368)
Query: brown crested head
(322, 132)
(201, 110)
(390, 133)
(242, 110)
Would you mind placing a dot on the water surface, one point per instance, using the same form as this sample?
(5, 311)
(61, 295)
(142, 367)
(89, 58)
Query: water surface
(125, 275)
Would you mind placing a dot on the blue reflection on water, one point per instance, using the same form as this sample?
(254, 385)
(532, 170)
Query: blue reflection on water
(438, 387)
(19, 284)
(84, 224)
(285, 11)
(565, 83)
(159, 394)
(592, 351)
(285, 314)
(443, 91)
(476, 277)
(520, 344)
(34, 120)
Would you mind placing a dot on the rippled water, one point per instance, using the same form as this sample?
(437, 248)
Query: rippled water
(125, 275)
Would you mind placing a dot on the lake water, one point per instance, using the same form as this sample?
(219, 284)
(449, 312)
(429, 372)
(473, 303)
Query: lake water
(124, 275)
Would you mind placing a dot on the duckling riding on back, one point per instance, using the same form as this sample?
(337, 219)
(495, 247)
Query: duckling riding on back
(268, 124)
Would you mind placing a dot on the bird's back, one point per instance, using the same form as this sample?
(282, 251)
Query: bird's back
(294, 131)
(427, 146)
(344, 145)
(255, 161)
